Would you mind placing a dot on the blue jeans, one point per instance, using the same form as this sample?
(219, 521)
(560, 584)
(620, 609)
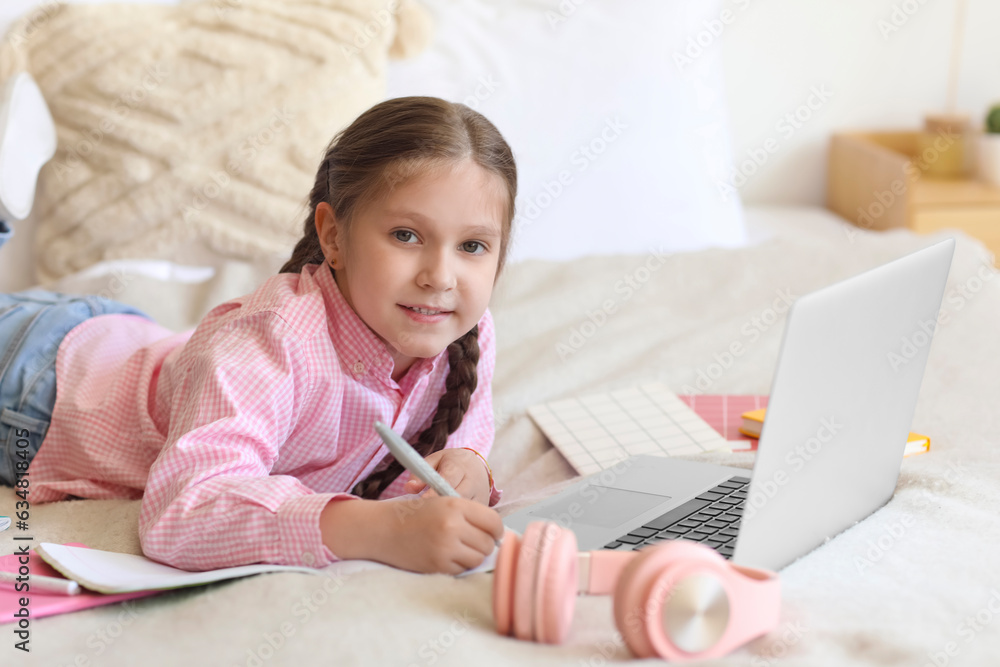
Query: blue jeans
(32, 325)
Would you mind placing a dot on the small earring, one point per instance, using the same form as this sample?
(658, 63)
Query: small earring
(333, 263)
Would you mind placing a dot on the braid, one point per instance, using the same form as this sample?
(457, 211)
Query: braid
(463, 357)
(308, 250)
(305, 253)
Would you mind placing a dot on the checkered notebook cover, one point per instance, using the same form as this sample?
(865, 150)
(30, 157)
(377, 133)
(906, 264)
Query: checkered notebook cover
(596, 431)
(724, 412)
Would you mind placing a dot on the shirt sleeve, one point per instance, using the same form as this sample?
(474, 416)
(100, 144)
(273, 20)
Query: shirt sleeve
(210, 500)
(477, 428)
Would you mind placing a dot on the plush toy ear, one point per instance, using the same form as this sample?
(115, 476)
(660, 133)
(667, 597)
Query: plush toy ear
(414, 29)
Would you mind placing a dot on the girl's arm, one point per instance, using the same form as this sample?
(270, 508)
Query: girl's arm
(349, 528)
(210, 499)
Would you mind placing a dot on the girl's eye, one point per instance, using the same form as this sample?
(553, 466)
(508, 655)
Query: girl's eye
(404, 235)
(474, 247)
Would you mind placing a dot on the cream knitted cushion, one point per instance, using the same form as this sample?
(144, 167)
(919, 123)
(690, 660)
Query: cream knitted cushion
(195, 131)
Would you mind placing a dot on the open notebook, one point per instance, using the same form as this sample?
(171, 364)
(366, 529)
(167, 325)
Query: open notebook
(108, 577)
(110, 572)
(48, 604)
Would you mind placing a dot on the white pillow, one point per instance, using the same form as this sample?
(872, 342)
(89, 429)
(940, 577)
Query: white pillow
(556, 76)
(200, 139)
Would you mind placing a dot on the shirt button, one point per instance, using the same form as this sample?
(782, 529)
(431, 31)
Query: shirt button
(359, 368)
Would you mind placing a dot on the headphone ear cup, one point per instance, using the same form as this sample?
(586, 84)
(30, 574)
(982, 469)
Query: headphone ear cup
(503, 582)
(543, 583)
(556, 586)
(645, 592)
(523, 585)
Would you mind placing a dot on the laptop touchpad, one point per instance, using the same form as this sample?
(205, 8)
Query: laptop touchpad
(598, 506)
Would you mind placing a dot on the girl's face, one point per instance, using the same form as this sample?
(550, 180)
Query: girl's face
(432, 245)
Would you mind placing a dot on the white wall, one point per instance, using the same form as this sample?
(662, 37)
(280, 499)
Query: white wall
(775, 51)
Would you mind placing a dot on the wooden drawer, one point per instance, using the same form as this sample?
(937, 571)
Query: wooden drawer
(875, 180)
(981, 222)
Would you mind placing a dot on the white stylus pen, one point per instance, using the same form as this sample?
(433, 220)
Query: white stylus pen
(415, 463)
(44, 584)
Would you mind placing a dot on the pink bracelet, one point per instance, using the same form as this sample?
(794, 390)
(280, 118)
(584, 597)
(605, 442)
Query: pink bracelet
(488, 470)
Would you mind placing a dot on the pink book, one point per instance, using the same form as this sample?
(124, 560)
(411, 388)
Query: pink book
(42, 604)
(724, 412)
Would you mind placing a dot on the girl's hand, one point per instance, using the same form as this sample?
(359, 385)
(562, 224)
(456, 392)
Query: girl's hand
(462, 469)
(435, 534)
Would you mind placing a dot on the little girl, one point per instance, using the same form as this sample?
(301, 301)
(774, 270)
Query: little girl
(250, 439)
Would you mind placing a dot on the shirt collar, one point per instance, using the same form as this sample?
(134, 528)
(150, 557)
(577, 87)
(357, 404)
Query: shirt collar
(362, 352)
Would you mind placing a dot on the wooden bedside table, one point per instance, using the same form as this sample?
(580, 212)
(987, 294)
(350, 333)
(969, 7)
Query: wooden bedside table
(876, 180)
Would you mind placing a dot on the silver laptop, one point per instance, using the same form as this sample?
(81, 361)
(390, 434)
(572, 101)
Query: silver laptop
(842, 402)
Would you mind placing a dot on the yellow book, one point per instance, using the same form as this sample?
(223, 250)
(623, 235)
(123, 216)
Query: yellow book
(753, 423)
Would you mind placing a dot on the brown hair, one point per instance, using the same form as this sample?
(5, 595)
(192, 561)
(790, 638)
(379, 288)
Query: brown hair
(382, 149)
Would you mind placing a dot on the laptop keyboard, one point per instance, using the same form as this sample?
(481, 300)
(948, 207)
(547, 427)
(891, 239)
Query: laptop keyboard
(712, 518)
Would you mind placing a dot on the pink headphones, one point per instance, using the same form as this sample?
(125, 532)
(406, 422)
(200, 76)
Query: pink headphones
(678, 600)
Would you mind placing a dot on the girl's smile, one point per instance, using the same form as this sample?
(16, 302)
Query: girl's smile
(425, 314)
(418, 266)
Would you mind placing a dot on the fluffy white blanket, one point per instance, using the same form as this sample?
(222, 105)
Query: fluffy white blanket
(914, 584)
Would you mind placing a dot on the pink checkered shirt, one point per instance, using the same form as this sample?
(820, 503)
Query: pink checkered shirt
(236, 435)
